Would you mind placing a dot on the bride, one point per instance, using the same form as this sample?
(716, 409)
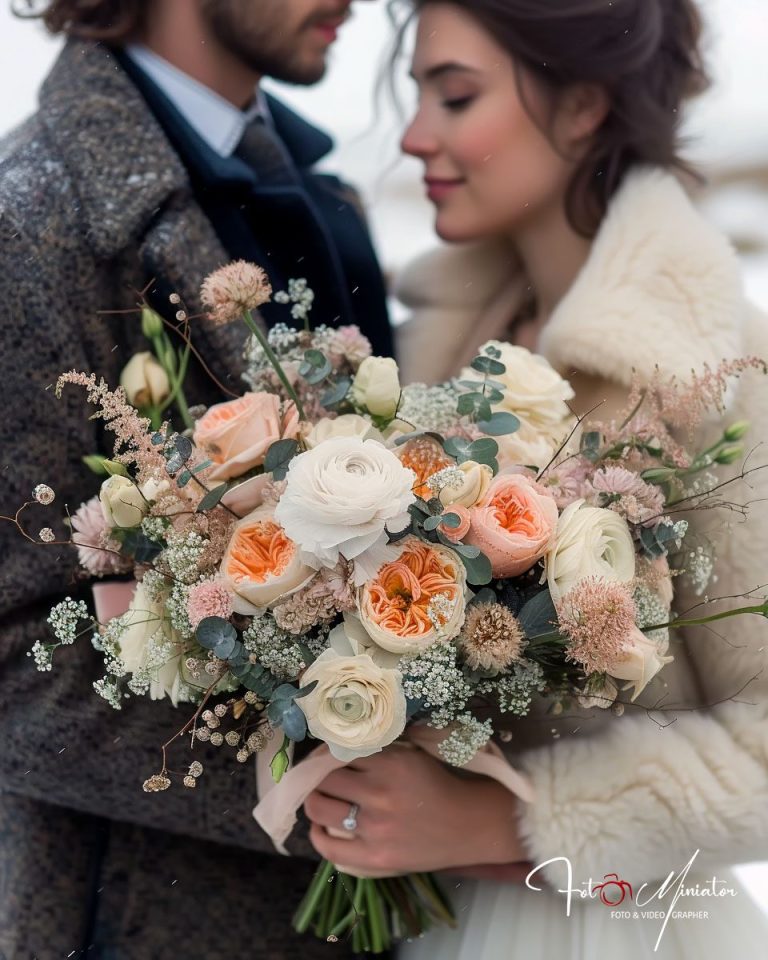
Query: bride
(549, 134)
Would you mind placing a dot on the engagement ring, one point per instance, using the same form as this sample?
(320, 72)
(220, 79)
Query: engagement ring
(350, 821)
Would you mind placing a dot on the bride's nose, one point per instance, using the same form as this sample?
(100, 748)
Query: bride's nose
(418, 141)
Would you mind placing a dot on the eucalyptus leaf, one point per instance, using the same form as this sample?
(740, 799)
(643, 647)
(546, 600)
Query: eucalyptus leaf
(137, 544)
(450, 520)
(478, 569)
(486, 595)
(279, 456)
(212, 498)
(488, 365)
(459, 448)
(183, 478)
(432, 523)
(336, 393)
(213, 630)
(294, 723)
(538, 616)
(500, 424)
(286, 691)
(306, 654)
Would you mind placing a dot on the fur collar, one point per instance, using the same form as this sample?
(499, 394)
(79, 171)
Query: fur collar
(661, 287)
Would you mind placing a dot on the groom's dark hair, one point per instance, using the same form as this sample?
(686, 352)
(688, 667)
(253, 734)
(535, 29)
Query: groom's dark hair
(645, 54)
(115, 21)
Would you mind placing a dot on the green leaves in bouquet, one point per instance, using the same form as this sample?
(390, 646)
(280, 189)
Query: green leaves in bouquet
(220, 637)
(212, 498)
(477, 565)
(283, 711)
(337, 394)
(134, 543)
(538, 616)
(483, 450)
(591, 444)
(316, 367)
(657, 541)
(279, 457)
(499, 424)
(488, 364)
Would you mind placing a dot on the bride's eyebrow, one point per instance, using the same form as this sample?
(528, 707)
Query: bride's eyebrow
(440, 69)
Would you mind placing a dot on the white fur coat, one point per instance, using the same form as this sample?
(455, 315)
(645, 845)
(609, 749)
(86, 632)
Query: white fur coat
(661, 288)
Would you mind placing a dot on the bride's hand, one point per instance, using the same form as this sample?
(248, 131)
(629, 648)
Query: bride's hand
(414, 815)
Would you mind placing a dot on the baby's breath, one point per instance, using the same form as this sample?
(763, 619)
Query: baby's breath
(467, 737)
(515, 690)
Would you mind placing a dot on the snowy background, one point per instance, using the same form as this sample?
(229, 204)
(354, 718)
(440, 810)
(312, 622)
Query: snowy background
(728, 130)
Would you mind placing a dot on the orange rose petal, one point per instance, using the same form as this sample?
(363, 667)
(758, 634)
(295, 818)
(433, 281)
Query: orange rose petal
(259, 551)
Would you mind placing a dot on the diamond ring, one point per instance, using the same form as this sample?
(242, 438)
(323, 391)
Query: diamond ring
(350, 821)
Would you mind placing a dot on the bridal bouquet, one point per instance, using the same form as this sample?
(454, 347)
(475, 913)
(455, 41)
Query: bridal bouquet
(337, 558)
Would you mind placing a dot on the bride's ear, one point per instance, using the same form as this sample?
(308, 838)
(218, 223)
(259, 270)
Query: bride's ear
(582, 108)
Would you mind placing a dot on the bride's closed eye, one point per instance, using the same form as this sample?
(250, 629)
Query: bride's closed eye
(456, 104)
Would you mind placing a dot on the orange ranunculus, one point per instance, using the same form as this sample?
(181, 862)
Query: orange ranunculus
(261, 564)
(425, 457)
(395, 606)
(514, 524)
(237, 434)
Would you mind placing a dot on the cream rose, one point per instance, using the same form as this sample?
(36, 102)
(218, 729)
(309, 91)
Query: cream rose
(376, 387)
(139, 642)
(513, 524)
(237, 434)
(261, 564)
(473, 486)
(145, 382)
(347, 425)
(357, 707)
(640, 661)
(532, 446)
(533, 389)
(415, 600)
(122, 502)
(589, 542)
(339, 500)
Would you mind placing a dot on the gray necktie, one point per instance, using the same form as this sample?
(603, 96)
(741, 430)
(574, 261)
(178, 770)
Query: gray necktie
(266, 155)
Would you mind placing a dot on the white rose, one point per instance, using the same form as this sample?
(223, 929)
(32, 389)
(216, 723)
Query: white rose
(476, 480)
(144, 620)
(357, 707)
(261, 565)
(640, 661)
(533, 388)
(531, 446)
(376, 387)
(589, 542)
(347, 425)
(145, 382)
(339, 500)
(122, 502)
(153, 489)
(350, 639)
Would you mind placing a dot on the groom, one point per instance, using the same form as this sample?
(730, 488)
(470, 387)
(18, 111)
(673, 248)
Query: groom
(154, 158)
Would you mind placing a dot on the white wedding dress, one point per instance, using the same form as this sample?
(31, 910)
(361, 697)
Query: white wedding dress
(510, 922)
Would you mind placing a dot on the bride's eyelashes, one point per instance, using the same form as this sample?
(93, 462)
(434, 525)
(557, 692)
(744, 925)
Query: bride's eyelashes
(457, 104)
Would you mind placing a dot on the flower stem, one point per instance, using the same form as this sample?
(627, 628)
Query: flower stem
(278, 367)
(319, 885)
(761, 611)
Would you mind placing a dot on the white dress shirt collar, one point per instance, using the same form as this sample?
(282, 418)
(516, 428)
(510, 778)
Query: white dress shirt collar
(215, 119)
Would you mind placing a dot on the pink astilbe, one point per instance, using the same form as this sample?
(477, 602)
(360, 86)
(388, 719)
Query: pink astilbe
(326, 596)
(91, 534)
(133, 433)
(596, 616)
(208, 599)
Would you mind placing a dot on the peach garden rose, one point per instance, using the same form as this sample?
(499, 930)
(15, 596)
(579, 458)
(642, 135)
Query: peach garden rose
(237, 434)
(415, 600)
(261, 564)
(514, 524)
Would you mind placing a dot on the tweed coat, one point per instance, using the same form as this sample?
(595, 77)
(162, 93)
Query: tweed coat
(94, 204)
(661, 288)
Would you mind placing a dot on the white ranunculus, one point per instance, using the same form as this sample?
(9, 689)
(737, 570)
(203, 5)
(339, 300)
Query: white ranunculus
(533, 389)
(147, 634)
(341, 498)
(145, 382)
(640, 662)
(122, 502)
(350, 638)
(261, 564)
(376, 387)
(589, 542)
(357, 707)
(347, 425)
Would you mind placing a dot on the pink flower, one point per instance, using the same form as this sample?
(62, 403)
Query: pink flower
(597, 616)
(349, 344)
(90, 529)
(237, 434)
(232, 290)
(208, 599)
(454, 534)
(514, 524)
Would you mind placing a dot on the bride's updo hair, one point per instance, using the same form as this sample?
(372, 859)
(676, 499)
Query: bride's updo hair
(644, 53)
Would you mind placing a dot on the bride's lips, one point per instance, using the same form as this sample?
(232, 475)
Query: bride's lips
(329, 29)
(439, 188)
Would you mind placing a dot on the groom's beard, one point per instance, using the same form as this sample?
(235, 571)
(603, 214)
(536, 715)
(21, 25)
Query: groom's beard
(263, 36)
